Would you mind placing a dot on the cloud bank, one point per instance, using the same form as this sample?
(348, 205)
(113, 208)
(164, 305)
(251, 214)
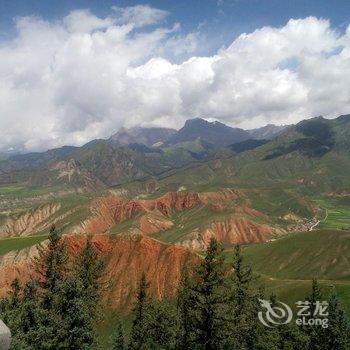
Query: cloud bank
(83, 77)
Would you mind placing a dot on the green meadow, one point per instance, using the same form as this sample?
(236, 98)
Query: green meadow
(336, 213)
(18, 243)
(287, 265)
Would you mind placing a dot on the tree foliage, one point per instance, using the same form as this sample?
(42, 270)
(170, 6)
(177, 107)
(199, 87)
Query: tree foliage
(140, 337)
(57, 310)
(216, 307)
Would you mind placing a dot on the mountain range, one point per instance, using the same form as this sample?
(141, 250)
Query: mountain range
(152, 198)
(310, 151)
(127, 155)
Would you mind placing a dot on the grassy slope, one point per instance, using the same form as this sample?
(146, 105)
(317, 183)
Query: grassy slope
(287, 265)
(323, 254)
(302, 166)
(21, 199)
(184, 222)
(337, 213)
(18, 243)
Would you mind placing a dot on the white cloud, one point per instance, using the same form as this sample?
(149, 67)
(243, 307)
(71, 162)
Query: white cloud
(84, 21)
(83, 77)
(140, 15)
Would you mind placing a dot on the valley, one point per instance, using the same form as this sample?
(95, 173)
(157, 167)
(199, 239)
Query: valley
(153, 207)
(174, 175)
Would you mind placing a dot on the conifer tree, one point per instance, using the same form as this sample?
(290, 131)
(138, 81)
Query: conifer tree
(62, 314)
(77, 325)
(291, 337)
(288, 336)
(315, 333)
(209, 326)
(119, 340)
(163, 324)
(89, 268)
(51, 266)
(26, 319)
(243, 319)
(14, 299)
(255, 336)
(31, 334)
(185, 309)
(139, 338)
(242, 277)
(315, 295)
(10, 305)
(337, 334)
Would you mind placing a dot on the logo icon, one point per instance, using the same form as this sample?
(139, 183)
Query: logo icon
(274, 315)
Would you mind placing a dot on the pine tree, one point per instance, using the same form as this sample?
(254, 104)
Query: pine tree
(89, 268)
(26, 319)
(51, 266)
(288, 336)
(209, 326)
(315, 295)
(139, 338)
(163, 324)
(14, 299)
(184, 307)
(337, 334)
(119, 340)
(243, 319)
(3, 308)
(291, 337)
(256, 336)
(242, 277)
(77, 325)
(31, 332)
(315, 333)
(62, 313)
(10, 305)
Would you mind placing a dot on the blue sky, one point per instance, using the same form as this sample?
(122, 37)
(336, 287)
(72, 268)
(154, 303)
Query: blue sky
(73, 71)
(219, 20)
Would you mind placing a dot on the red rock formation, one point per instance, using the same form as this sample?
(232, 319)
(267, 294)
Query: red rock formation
(25, 223)
(149, 224)
(126, 256)
(226, 195)
(249, 211)
(108, 211)
(231, 231)
(237, 230)
(112, 210)
(154, 215)
(15, 264)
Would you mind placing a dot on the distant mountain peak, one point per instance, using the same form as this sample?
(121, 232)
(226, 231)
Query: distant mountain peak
(141, 135)
(214, 133)
(196, 121)
(268, 131)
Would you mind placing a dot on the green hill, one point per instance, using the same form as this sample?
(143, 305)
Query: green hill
(323, 254)
(287, 266)
(313, 154)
